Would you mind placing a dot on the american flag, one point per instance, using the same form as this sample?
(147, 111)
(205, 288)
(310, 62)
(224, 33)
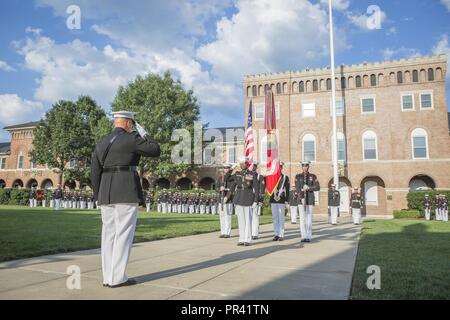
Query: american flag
(249, 145)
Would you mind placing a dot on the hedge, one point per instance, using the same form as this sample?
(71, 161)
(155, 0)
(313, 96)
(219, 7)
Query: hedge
(14, 196)
(415, 198)
(401, 214)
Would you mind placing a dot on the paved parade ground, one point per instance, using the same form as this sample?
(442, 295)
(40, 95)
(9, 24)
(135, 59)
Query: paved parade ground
(203, 267)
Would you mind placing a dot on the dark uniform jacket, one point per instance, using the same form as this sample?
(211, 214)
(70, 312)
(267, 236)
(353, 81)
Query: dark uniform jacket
(427, 203)
(310, 180)
(293, 198)
(282, 190)
(356, 201)
(334, 198)
(127, 149)
(262, 187)
(58, 194)
(245, 188)
(226, 183)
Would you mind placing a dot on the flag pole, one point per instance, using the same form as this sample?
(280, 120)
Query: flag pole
(333, 100)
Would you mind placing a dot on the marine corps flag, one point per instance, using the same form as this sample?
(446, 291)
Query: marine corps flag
(273, 171)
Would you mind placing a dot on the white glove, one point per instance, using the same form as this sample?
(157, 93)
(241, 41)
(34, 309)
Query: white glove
(222, 188)
(225, 199)
(254, 205)
(142, 132)
(305, 187)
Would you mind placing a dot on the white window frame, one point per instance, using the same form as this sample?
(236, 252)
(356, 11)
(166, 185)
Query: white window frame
(366, 201)
(363, 145)
(229, 148)
(432, 100)
(303, 109)
(340, 135)
(405, 94)
(374, 104)
(262, 105)
(2, 159)
(18, 161)
(343, 107)
(315, 146)
(426, 143)
(210, 149)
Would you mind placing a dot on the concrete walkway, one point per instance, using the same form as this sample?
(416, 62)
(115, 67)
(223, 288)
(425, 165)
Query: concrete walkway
(203, 267)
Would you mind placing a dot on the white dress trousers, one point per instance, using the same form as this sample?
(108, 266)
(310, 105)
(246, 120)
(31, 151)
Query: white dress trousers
(294, 213)
(255, 221)
(119, 223)
(244, 216)
(356, 214)
(334, 214)
(278, 219)
(427, 214)
(305, 213)
(225, 218)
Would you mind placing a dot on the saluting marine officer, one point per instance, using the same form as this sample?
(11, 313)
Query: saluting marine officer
(116, 185)
(305, 185)
(334, 200)
(245, 192)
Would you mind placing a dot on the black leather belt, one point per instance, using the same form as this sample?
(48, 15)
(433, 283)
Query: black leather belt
(120, 169)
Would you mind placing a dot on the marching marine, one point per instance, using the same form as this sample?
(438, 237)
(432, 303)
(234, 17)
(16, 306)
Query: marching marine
(223, 185)
(256, 213)
(334, 200)
(356, 204)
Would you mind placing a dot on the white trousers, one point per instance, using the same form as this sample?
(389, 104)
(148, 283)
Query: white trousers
(164, 207)
(202, 209)
(43, 203)
(147, 207)
(305, 213)
(119, 223)
(427, 214)
(444, 214)
(334, 214)
(356, 214)
(294, 213)
(255, 221)
(244, 216)
(225, 218)
(213, 209)
(278, 219)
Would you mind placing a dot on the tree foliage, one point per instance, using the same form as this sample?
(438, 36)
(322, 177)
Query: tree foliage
(162, 105)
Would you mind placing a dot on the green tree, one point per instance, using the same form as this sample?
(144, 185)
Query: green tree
(162, 105)
(68, 132)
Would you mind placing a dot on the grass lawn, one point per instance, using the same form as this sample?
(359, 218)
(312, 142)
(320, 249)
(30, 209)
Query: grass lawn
(26, 232)
(413, 256)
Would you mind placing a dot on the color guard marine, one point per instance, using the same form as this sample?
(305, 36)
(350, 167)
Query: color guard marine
(245, 192)
(256, 213)
(225, 208)
(334, 200)
(293, 204)
(357, 202)
(278, 201)
(306, 184)
(427, 205)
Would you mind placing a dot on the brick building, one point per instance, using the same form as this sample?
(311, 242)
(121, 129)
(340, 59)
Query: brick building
(393, 131)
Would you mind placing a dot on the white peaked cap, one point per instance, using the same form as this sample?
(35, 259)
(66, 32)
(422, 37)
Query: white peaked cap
(243, 159)
(124, 114)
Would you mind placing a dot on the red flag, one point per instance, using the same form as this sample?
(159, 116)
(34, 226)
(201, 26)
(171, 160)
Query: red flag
(273, 169)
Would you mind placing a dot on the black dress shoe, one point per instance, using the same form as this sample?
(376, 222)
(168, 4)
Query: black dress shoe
(307, 240)
(246, 244)
(240, 244)
(226, 236)
(303, 240)
(255, 238)
(129, 282)
(280, 239)
(106, 285)
(222, 236)
(275, 238)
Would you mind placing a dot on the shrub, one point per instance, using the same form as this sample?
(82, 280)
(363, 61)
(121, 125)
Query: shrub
(5, 195)
(19, 197)
(415, 199)
(412, 214)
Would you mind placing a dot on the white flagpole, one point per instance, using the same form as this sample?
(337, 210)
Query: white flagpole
(333, 100)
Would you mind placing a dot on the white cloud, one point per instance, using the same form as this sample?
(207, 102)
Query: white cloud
(446, 3)
(442, 47)
(390, 54)
(14, 109)
(6, 67)
(340, 5)
(391, 31)
(363, 21)
(268, 36)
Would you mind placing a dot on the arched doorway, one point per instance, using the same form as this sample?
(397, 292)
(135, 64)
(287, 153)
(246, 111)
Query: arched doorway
(145, 184)
(70, 184)
(162, 183)
(374, 193)
(2, 184)
(17, 184)
(421, 182)
(207, 183)
(47, 184)
(184, 184)
(32, 183)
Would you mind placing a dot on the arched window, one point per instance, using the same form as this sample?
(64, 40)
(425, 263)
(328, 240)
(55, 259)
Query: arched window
(301, 86)
(373, 80)
(248, 91)
(278, 88)
(358, 81)
(309, 147)
(419, 140)
(260, 90)
(430, 74)
(399, 77)
(315, 85)
(254, 92)
(328, 84)
(266, 88)
(370, 145)
(415, 76)
(438, 74)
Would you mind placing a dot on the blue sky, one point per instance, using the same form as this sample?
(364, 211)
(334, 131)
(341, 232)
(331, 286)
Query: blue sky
(208, 45)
